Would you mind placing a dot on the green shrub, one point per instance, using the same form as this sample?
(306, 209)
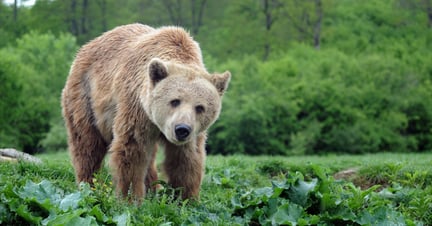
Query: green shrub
(34, 73)
(311, 102)
(56, 138)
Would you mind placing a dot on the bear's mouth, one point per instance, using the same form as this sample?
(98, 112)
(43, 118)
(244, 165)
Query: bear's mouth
(178, 142)
(173, 140)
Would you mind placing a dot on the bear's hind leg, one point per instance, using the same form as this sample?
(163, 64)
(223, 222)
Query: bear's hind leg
(86, 146)
(87, 149)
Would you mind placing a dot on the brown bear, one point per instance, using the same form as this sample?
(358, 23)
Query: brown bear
(135, 87)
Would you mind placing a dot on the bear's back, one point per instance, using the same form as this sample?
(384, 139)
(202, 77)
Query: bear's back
(112, 68)
(131, 47)
(171, 44)
(112, 43)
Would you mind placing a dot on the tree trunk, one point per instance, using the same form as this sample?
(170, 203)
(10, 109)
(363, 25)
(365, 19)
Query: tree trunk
(180, 13)
(74, 25)
(15, 11)
(103, 7)
(193, 19)
(197, 17)
(268, 24)
(84, 17)
(428, 4)
(317, 28)
(174, 11)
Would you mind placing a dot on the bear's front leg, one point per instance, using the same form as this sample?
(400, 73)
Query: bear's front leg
(152, 175)
(129, 162)
(184, 166)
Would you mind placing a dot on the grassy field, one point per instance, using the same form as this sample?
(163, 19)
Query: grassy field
(378, 189)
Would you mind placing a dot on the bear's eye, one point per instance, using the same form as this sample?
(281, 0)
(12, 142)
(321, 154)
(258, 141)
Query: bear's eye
(175, 103)
(199, 109)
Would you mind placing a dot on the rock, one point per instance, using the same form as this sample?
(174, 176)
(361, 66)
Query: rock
(345, 174)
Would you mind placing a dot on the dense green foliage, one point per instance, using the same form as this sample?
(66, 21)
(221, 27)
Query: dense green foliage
(326, 101)
(33, 71)
(237, 190)
(308, 76)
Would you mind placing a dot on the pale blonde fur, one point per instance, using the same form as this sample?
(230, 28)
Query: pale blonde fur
(117, 99)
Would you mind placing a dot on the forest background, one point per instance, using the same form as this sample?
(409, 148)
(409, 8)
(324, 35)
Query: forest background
(309, 76)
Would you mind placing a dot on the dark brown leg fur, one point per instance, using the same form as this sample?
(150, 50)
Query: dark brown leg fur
(86, 145)
(184, 166)
(152, 175)
(129, 162)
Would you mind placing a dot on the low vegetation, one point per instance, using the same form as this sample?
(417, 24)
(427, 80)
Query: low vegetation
(385, 189)
(308, 77)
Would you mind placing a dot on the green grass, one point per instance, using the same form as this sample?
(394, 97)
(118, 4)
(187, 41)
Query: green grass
(388, 189)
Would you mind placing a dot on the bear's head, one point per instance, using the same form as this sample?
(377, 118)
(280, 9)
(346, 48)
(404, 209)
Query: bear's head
(181, 100)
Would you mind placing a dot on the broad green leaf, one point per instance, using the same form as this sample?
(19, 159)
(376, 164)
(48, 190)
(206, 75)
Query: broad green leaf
(279, 187)
(4, 212)
(280, 184)
(70, 201)
(216, 179)
(236, 203)
(342, 213)
(287, 214)
(273, 205)
(97, 212)
(25, 213)
(329, 201)
(299, 193)
(264, 193)
(70, 218)
(82, 221)
(319, 171)
(381, 216)
(123, 219)
(43, 193)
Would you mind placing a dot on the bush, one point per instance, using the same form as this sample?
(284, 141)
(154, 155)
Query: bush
(34, 73)
(311, 102)
(56, 138)
(245, 125)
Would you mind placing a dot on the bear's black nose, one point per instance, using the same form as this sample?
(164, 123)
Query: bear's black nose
(182, 131)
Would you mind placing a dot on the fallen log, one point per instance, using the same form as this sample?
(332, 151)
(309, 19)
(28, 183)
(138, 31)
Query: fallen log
(10, 154)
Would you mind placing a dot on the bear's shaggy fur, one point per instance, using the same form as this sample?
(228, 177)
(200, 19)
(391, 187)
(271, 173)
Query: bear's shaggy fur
(136, 87)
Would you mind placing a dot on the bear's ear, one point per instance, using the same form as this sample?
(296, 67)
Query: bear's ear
(157, 70)
(220, 81)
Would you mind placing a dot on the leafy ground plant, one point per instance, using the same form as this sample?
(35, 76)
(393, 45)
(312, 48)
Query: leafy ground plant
(320, 201)
(44, 204)
(237, 190)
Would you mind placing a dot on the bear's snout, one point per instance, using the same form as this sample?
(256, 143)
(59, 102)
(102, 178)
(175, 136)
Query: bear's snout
(182, 131)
